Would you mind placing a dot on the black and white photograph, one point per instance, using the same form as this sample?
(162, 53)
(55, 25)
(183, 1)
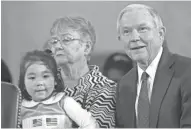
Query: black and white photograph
(95, 64)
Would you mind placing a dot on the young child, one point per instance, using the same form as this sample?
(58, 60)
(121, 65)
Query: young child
(44, 104)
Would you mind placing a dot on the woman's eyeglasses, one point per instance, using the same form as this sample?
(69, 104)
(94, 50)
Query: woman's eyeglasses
(64, 40)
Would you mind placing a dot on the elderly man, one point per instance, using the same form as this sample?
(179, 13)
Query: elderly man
(72, 41)
(157, 92)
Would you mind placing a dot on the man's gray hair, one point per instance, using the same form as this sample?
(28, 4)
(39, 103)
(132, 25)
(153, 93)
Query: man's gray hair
(156, 18)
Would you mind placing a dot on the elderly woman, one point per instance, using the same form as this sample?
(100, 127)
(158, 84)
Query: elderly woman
(72, 41)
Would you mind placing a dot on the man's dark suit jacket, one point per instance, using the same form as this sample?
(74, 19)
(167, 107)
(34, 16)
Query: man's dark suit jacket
(171, 94)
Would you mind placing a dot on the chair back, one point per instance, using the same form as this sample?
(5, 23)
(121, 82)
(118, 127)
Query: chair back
(10, 105)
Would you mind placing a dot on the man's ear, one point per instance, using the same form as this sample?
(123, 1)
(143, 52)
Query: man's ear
(162, 32)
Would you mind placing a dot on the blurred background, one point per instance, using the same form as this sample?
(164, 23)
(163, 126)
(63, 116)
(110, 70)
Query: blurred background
(25, 26)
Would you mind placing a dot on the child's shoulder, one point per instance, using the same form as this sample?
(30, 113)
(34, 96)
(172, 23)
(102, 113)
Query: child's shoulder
(56, 97)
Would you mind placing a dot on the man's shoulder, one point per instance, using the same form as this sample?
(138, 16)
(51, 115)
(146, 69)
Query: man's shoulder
(183, 60)
(129, 75)
(182, 65)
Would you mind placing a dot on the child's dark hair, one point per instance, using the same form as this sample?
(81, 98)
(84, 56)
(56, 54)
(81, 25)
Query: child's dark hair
(48, 60)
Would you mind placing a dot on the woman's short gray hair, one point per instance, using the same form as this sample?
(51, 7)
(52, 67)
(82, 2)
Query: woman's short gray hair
(156, 18)
(77, 23)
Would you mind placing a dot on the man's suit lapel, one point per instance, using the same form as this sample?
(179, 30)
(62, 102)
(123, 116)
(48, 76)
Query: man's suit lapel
(162, 80)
